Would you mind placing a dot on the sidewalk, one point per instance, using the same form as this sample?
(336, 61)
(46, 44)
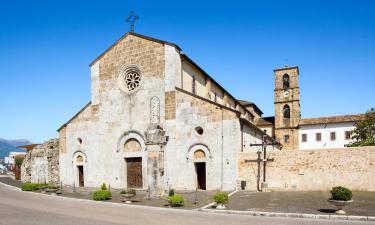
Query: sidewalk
(10, 181)
(313, 202)
(192, 200)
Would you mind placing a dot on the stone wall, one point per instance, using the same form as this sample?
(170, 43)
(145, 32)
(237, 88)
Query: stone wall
(41, 164)
(114, 115)
(313, 170)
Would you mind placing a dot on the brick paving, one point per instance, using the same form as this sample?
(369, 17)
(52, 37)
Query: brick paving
(313, 202)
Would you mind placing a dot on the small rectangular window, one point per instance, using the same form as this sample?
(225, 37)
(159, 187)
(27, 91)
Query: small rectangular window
(318, 137)
(193, 85)
(304, 137)
(348, 135)
(286, 138)
(333, 136)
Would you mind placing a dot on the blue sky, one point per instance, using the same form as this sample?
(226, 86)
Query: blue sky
(46, 47)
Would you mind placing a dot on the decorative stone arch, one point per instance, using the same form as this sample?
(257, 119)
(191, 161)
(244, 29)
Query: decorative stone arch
(197, 151)
(130, 135)
(286, 81)
(286, 111)
(79, 158)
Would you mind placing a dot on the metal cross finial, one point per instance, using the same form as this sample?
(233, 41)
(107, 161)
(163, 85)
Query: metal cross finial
(131, 19)
(286, 62)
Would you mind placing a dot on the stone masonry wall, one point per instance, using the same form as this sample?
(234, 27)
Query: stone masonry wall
(313, 170)
(41, 164)
(103, 125)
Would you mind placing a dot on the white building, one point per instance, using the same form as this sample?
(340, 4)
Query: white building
(12, 156)
(327, 132)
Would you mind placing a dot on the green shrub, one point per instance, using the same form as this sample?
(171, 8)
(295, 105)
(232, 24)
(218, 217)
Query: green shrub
(128, 191)
(28, 186)
(341, 194)
(101, 195)
(171, 192)
(103, 187)
(176, 200)
(221, 198)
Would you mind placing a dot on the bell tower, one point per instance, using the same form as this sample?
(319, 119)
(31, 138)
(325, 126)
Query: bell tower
(287, 107)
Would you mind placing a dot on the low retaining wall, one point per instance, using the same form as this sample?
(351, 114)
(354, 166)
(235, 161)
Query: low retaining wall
(312, 169)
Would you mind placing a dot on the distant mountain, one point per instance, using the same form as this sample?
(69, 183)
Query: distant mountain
(15, 143)
(7, 146)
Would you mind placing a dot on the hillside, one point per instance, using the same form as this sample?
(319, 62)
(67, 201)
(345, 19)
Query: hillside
(7, 146)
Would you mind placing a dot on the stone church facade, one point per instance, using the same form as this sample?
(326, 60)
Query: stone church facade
(156, 120)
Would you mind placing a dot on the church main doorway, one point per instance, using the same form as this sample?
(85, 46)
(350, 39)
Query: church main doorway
(134, 172)
(81, 178)
(200, 168)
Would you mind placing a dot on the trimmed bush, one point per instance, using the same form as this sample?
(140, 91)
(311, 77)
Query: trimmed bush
(176, 200)
(221, 198)
(341, 194)
(101, 195)
(28, 186)
(171, 192)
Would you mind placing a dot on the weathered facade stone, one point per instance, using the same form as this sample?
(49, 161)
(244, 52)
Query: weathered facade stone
(313, 170)
(41, 164)
(152, 130)
(286, 128)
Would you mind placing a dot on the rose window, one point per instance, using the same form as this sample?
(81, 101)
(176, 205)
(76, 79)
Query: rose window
(132, 80)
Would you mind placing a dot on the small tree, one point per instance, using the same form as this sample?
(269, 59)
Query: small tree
(18, 160)
(364, 133)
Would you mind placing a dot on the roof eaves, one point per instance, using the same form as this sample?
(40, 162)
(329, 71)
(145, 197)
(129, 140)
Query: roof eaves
(65, 124)
(213, 80)
(137, 35)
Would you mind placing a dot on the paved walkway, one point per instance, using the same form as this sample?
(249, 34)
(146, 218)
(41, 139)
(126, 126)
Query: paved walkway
(21, 208)
(10, 181)
(192, 200)
(313, 202)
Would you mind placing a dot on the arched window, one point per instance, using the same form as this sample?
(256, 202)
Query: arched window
(286, 81)
(286, 111)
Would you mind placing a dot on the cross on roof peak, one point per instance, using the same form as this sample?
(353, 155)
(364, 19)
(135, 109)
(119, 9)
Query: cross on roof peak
(131, 19)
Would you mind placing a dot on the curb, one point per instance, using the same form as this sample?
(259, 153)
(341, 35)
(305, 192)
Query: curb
(293, 215)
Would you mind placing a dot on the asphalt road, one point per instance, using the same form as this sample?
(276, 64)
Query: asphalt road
(19, 208)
